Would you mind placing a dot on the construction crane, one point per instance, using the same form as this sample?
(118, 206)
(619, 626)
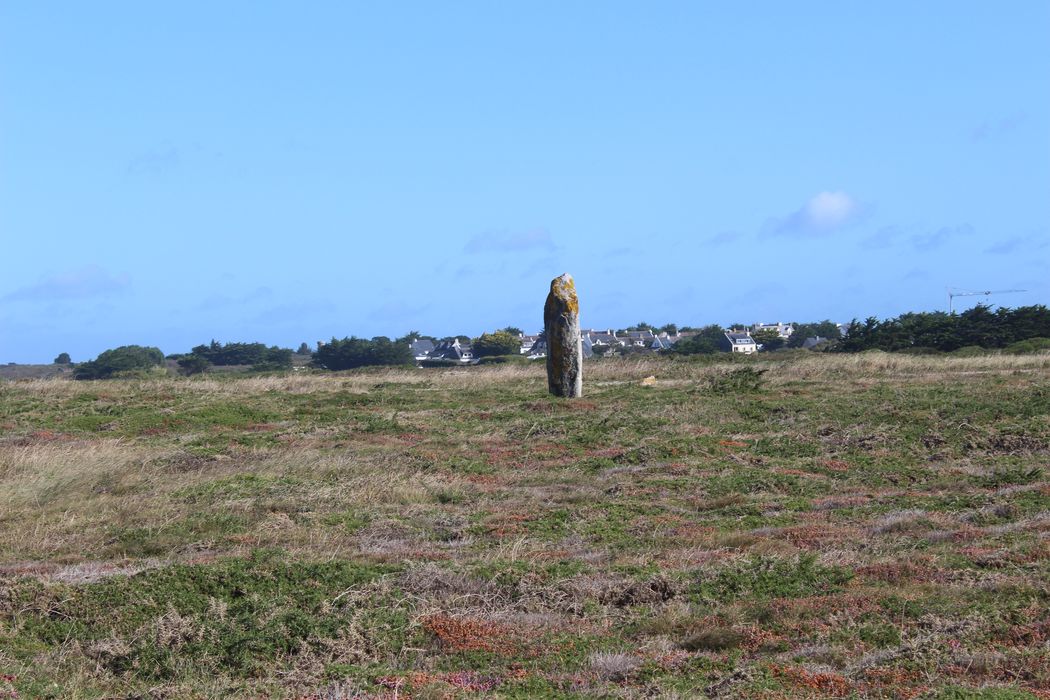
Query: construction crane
(952, 293)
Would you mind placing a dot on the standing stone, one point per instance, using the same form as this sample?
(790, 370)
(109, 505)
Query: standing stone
(561, 323)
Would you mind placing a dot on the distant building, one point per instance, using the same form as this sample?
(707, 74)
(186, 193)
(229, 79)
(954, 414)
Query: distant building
(538, 349)
(421, 348)
(527, 341)
(452, 351)
(810, 343)
(588, 349)
(784, 330)
(602, 339)
(738, 341)
(665, 341)
(639, 339)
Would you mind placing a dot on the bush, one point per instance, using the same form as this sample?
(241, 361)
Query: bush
(969, 351)
(357, 352)
(63, 359)
(769, 340)
(503, 359)
(766, 578)
(1022, 347)
(706, 342)
(498, 343)
(193, 364)
(745, 380)
(127, 358)
(921, 350)
(439, 362)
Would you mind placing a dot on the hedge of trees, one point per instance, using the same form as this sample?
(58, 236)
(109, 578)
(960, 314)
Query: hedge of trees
(358, 352)
(498, 343)
(707, 341)
(254, 354)
(822, 329)
(976, 327)
(125, 359)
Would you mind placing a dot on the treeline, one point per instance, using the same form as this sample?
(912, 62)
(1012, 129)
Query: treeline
(352, 352)
(938, 331)
(706, 342)
(256, 355)
(1023, 329)
(709, 339)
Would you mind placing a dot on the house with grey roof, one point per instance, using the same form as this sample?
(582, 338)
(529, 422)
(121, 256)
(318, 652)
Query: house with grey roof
(662, 342)
(738, 341)
(599, 339)
(784, 330)
(639, 339)
(421, 348)
(538, 349)
(527, 341)
(452, 351)
(810, 343)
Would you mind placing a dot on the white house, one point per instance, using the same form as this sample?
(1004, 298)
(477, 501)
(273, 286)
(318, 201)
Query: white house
(784, 330)
(452, 351)
(739, 341)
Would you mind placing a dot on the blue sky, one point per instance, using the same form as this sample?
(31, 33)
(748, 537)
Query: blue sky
(288, 172)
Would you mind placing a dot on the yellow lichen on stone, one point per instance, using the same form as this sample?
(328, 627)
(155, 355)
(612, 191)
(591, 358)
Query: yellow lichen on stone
(564, 288)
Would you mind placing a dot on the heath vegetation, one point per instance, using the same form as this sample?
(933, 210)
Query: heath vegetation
(813, 525)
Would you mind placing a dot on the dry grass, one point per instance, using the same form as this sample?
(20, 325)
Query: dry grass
(827, 526)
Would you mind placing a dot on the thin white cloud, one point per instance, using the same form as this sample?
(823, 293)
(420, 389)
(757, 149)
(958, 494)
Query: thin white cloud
(824, 213)
(1005, 247)
(916, 274)
(940, 237)
(297, 311)
(156, 163)
(81, 283)
(724, 238)
(994, 128)
(882, 238)
(218, 301)
(504, 242)
(1018, 244)
(619, 253)
(399, 310)
(545, 266)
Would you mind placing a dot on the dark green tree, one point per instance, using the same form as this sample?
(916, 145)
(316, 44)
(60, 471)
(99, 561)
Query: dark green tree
(63, 359)
(352, 352)
(769, 339)
(823, 329)
(255, 354)
(498, 343)
(127, 358)
(304, 349)
(193, 364)
(707, 341)
(938, 331)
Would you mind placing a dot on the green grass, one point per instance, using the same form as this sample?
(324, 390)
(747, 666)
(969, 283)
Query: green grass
(777, 527)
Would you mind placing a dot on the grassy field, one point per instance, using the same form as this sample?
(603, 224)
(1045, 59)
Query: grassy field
(820, 526)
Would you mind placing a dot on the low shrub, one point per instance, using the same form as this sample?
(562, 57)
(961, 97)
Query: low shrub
(120, 362)
(1024, 347)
